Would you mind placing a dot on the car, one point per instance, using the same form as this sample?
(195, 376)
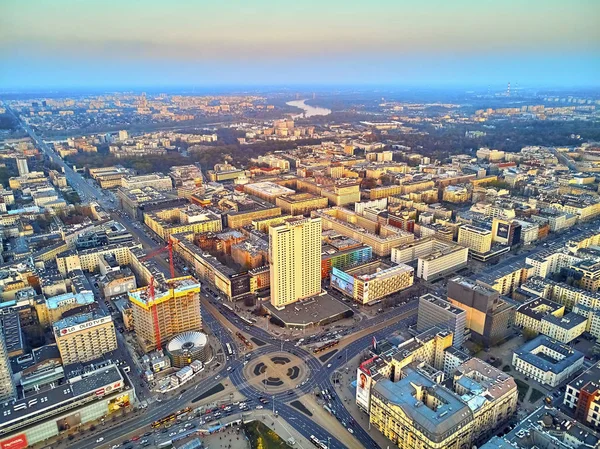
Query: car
(172, 434)
(217, 377)
(328, 365)
(259, 407)
(350, 430)
(135, 438)
(100, 440)
(147, 434)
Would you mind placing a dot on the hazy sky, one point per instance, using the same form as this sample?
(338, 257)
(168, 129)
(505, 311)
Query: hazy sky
(110, 43)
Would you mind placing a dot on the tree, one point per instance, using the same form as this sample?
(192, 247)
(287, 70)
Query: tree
(529, 334)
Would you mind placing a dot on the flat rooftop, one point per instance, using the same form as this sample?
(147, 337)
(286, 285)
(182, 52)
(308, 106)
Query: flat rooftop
(311, 311)
(59, 395)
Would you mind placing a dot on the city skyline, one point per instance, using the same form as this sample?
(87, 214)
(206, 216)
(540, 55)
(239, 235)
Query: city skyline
(100, 44)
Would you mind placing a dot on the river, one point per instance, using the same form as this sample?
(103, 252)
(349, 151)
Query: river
(309, 111)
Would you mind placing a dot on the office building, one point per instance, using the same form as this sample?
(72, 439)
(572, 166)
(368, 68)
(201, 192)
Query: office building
(84, 337)
(529, 315)
(7, 385)
(154, 180)
(50, 310)
(372, 281)
(477, 239)
(435, 311)
(380, 237)
(547, 361)
(175, 309)
(300, 203)
(435, 257)
(488, 316)
(295, 259)
(268, 191)
(582, 396)
(564, 329)
(175, 220)
(506, 232)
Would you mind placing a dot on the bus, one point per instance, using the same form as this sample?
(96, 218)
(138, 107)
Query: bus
(326, 346)
(247, 321)
(170, 418)
(314, 440)
(229, 350)
(228, 307)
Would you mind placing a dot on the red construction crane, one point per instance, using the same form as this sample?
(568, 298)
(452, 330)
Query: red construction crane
(169, 248)
(151, 303)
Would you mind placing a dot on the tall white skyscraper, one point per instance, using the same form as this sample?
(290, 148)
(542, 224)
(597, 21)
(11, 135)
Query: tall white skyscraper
(7, 385)
(22, 166)
(295, 258)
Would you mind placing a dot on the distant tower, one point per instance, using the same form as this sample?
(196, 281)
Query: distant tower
(508, 90)
(314, 95)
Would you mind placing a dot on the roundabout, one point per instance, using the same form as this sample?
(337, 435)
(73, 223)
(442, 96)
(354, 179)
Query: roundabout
(275, 372)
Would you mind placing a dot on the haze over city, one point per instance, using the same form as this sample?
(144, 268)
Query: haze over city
(66, 44)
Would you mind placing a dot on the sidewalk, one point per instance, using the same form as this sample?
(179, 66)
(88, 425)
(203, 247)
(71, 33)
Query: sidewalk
(345, 394)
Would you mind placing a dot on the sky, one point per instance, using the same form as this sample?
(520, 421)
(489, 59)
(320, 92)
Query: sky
(129, 43)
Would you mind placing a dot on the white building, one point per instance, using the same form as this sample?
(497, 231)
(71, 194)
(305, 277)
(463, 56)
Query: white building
(547, 361)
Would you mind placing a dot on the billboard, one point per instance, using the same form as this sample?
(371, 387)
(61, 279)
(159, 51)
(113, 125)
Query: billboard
(503, 231)
(16, 442)
(83, 326)
(363, 388)
(342, 281)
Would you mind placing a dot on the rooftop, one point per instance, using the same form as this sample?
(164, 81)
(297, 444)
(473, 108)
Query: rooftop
(436, 421)
(568, 321)
(60, 395)
(530, 353)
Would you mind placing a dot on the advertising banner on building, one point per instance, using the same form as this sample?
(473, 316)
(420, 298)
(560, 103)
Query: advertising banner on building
(16, 442)
(363, 388)
(342, 281)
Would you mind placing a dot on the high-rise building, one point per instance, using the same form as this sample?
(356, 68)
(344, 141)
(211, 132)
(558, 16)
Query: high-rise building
(22, 166)
(435, 311)
(7, 385)
(123, 135)
(295, 258)
(488, 316)
(174, 309)
(84, 337)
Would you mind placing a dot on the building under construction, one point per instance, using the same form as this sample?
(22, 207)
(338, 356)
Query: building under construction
(164, 310)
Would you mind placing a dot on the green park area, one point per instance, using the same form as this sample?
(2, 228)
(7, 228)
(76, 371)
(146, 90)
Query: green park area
(261, 437)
